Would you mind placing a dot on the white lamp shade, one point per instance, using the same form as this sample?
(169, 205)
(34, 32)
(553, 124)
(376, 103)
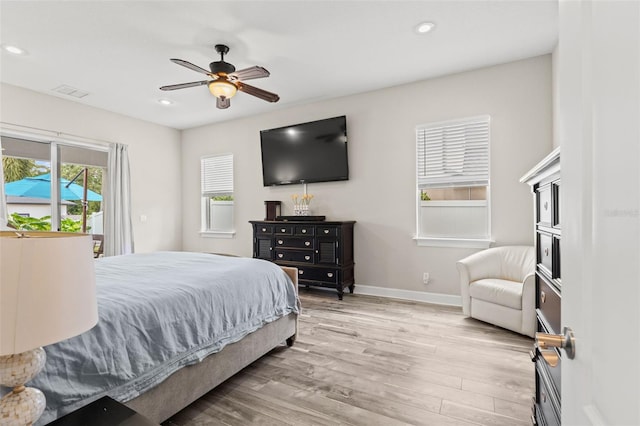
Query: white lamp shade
(47, 288)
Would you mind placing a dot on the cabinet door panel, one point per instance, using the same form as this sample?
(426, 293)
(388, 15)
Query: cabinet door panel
(327, 252)
(544, 205)
(264, 248)
(549, 407)
(545, 253)
(556, 205)
(549, 303)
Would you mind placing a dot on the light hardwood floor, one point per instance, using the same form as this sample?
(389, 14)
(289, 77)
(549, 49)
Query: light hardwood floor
(376, 361)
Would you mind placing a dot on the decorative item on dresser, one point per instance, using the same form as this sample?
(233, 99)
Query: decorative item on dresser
(322, 251)
(544, 180)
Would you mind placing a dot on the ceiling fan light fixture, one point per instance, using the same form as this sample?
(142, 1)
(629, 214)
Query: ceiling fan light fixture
(222, 88)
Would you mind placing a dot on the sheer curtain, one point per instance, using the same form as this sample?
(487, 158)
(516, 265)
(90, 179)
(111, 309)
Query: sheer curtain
(4, 215)
(118, 228)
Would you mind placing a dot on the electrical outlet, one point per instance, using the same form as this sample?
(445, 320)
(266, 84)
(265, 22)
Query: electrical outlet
(425, 278)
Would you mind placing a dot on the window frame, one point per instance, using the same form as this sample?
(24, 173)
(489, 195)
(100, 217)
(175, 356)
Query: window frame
(208, 189)
(423, 182)
(53, 145)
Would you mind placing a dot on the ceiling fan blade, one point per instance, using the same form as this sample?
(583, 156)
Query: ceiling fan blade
(223, 103)
(250, 73)
(259, 93)
(184, 85)
(191, 66)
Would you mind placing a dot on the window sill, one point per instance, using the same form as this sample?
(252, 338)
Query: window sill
(217, 234)
(453, 242)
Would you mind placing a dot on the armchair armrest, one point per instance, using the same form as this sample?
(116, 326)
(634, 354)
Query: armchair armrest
(480, 265)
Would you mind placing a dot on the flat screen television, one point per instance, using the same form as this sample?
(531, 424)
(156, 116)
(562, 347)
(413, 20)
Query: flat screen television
(305, 153)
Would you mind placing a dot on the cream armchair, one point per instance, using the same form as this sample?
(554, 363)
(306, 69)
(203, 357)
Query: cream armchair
(498, 286)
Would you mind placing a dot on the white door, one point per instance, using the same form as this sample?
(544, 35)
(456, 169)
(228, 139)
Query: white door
(598, 124)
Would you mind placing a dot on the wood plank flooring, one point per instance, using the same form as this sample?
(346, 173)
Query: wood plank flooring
(377, 361)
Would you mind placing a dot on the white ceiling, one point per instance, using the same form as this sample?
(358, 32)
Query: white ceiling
(119, 51)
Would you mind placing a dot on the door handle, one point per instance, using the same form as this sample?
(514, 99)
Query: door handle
(566, 341)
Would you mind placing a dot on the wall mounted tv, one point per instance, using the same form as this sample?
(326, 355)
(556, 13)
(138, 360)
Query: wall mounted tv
(305, 153)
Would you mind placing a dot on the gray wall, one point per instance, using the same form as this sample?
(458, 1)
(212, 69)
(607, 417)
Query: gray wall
(380, 194)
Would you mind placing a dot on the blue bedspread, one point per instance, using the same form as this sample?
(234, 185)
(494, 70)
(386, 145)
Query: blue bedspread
(159, 312)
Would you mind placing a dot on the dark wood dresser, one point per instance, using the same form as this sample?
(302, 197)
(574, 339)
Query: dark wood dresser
(322, 251)
(545, 183)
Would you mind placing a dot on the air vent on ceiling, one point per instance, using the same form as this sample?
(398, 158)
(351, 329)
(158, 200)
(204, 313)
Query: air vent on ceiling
(70, 91)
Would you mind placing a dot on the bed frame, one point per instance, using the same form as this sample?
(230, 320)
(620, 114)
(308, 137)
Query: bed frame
(191, 382)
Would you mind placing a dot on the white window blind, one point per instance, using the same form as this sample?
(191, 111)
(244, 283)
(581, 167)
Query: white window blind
(453, 153)
(217, 175)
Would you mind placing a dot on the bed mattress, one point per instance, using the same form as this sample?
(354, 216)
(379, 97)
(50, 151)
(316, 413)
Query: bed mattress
(157, 313)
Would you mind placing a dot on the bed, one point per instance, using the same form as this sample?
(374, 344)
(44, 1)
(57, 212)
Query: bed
(173, 325)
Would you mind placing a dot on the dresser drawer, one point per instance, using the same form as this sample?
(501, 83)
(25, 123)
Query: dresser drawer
(327, 231)
(545, 253)
(294, 242)
(547, 404)
(284, 229)
(294, 256)
(544, 207)
(549, 305)
(264, 229)
(327, 275)
(303, 230)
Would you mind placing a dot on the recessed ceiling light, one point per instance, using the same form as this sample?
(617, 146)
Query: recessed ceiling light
(14, 49)
(165, 102)
(425, 27)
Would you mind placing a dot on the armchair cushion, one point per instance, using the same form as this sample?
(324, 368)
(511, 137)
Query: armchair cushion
(497, 291)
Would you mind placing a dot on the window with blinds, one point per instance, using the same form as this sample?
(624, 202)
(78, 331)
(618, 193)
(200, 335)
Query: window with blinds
(452, 164)
(216, 184)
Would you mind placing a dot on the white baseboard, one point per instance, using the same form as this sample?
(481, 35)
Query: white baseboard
(417, 296)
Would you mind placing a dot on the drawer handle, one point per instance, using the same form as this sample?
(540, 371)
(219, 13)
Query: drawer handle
(264, 229)
(280, 255)
(546, 205)
(304, 231)
(307, 243)
(280, 242)
(543, 297)
(546, 251)
(326, 231)
(300, 272)
(330, 274)
(283, 230)
(307, 257)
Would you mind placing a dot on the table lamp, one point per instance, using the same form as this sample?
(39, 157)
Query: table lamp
(47, 294)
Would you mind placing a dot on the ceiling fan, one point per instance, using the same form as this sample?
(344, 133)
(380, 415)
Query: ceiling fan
(226, 80)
